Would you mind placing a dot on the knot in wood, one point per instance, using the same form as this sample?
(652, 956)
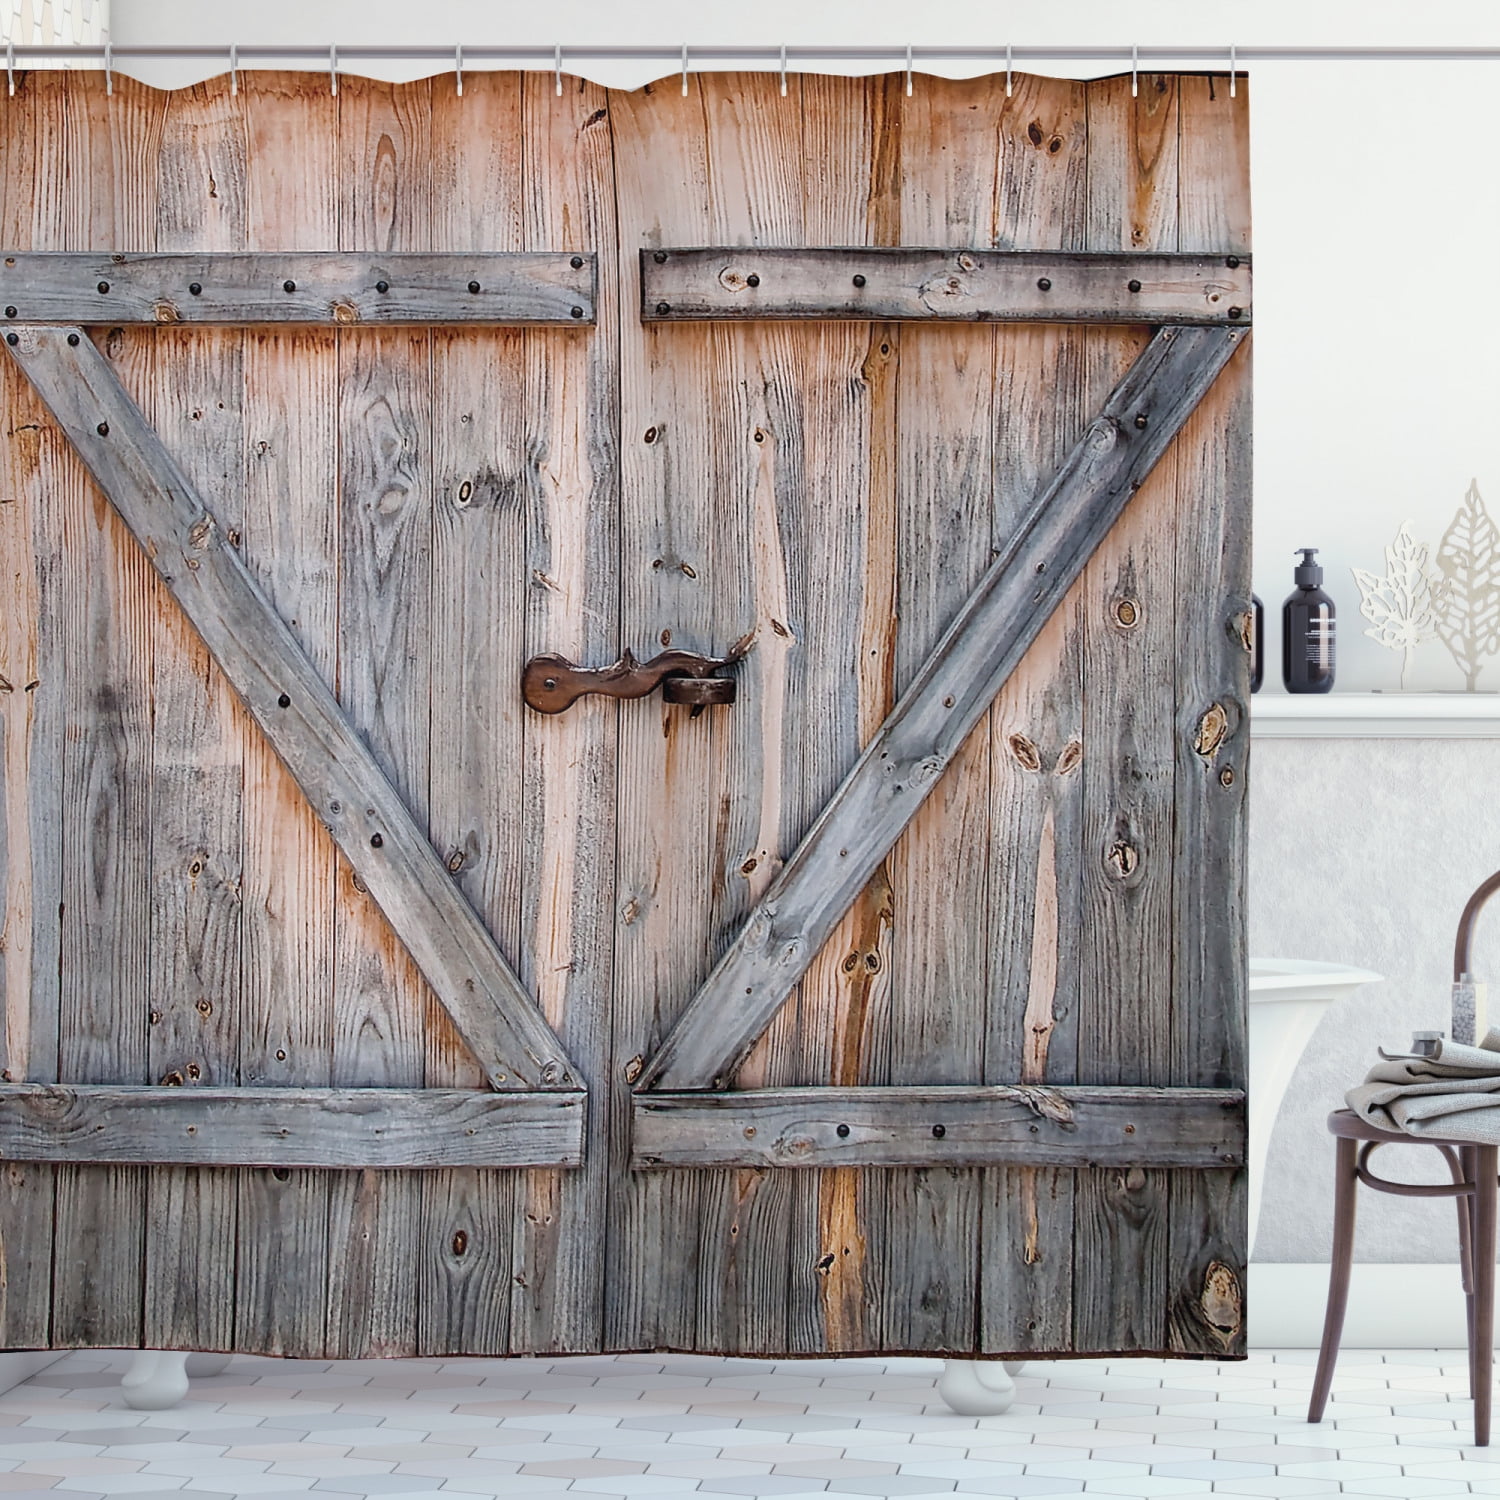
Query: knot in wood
(1213, 726)
(345, 312)
(1122, 859)
(1070, 758)
(1222, 1301)
(166, 312)
(735, 281)
(1025, 752)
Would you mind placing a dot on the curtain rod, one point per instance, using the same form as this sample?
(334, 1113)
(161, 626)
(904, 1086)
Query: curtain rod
(552, 56)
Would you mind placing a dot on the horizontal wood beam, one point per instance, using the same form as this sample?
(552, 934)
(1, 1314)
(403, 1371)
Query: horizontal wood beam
(909, 752)
(341, 1129)
(286, 695)
(963, 286)
(1024, 1125)
(304, 287)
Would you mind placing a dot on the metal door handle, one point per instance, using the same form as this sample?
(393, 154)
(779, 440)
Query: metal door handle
(549, 684)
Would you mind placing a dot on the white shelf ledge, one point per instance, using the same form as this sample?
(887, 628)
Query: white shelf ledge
(1383, 716)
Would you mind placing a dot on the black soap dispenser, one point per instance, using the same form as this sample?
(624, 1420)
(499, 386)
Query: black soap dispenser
(1307, 643)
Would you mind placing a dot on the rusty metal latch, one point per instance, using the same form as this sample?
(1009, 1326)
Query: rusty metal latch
(549, 684)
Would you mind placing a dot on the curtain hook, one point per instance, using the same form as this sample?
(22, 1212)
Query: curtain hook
(783, 70)
(109, 67)
(458, 68)
(684, 70)
(1232, 70)
(333, 71)
(10, 65)
(1135, 67)
(557, 68)
(234, 70)
(908, 70)
(1007, 70)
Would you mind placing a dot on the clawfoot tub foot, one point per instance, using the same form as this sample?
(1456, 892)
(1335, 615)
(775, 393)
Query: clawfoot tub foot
(156, 1379)
(976, 1387)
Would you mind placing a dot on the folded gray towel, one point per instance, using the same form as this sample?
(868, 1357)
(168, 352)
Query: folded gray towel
(1453, 1095)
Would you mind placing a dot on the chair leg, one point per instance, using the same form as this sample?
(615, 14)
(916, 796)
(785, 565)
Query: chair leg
(1465, 1173)
(1481, 1344)
(1345, 1184)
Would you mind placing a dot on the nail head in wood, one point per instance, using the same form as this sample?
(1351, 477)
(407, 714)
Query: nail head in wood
(10, 312)
(102, 429)
(103, 286)
(196, 288)
(289, 286)
(1232, 261)
(12, 339)
(1133, 285)
(660, 257)
(1235, 312)
(474, 287)
(576, 262)
(376, 841)
(752, 279)
(382, 286)
(1044, 283)
(843, 1131)
(577, 312)
(284, 700)
(939, 1131)
(859, 281)
(72, 341)
(664, 308)
(1140, 421)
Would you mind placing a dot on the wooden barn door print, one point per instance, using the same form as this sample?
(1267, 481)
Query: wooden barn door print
(354, 1007)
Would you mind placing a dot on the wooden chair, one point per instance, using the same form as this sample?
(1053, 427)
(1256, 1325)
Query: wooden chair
(1473, 1169)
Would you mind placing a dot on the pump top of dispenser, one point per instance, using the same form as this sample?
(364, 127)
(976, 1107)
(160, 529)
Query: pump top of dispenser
(1308, 574)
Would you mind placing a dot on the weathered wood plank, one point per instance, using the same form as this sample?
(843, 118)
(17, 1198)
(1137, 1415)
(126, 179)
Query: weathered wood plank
(1129, 634)
(568, 586)
(1206, 1241)
(288, 698)
(948, 1126)
(947, 698)
(288, 542)
(334, 288)
(341, 1129)
(110, 600)
(478, 606)
(963, 285)
(1033, 905)
(945, 462)
(36, 486)
(194, 398)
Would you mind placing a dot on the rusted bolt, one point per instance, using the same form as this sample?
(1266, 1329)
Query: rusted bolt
(664, 308)
(842, 1132)
(474, 287)
(1141, 421)
(1235, 312)
(752, 279)
(1130, 1130)
(576, 262)
(1044, 284)
(102, 429)
(72, 341)
(376, 840)
(859, 281)
(660, 257)
(284, 700)
(948, 701)
(1232, 261)
(289, 286)
(749, 1132)
(196, 288)
(1226, 776)
(939, 1131)
(1133, 285)
(103, 287)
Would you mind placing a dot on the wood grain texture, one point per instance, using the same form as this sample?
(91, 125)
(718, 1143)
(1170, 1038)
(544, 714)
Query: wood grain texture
(328, 287)
(952, 691)
(966, 285)
(941, 1127)
(1206, 1241)
(342, 1129)
(289, 544)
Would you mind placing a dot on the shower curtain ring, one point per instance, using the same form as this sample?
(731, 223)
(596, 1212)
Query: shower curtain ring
(557, 68)
(333, 71)
(1232, 70)
(908, 70)
(458, 68)
(1135, 69)
(234, 70)
(783, 70)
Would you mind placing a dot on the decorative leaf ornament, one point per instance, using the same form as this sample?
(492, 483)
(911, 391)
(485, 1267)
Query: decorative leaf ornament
(1468, 610)
(1402, 605)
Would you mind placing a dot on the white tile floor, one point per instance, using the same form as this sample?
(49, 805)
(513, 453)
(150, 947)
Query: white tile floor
(667, 1425)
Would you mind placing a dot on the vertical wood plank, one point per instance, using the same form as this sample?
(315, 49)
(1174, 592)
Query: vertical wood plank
(478, 604)
(1033, 906)
(290, 543)
(1206, 1312)
(1125, 1000)
(939, 867)
(385, 566)
(110, 610)
(569, 584)
(194, 399)
(844, 615)
(34, 478)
